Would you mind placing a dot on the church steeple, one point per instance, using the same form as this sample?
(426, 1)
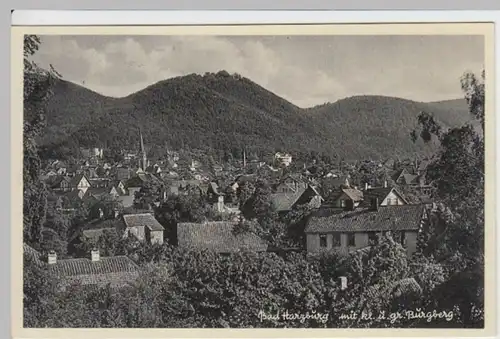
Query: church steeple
(143, 152)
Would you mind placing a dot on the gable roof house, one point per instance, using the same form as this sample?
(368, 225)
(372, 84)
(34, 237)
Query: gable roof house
(101, 192)
(60, 183)
(347, 198)
(80, 182)
(332, 185)
(144, 227)
(218, 236)
(50, 173)
(353, 230)
(403, 177)
(287, 201)
(384, 196)
(120, 187)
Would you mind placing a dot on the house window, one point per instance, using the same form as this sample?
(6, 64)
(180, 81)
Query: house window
(351, 239)
(342, 203)
(336, 239)
(392, 201)
(322, 240)
(403, 238)
(372, 237)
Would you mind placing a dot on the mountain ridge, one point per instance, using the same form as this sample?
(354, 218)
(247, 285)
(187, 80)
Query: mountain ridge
(225, 113)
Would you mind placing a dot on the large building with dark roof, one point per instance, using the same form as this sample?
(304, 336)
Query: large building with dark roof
(218, 236)
(349, 230)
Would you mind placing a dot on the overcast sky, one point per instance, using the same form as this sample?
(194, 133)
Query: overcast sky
(306, 70)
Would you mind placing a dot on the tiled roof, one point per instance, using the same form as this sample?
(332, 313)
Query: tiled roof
(143, 219)
(80, 266)
(218, 236)
(114, 270)
(410, 178)
(285, 201)
(387, 218)
(353, 194)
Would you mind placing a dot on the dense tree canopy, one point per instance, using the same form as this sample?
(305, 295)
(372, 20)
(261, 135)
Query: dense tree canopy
(37, 90)
(454, 233)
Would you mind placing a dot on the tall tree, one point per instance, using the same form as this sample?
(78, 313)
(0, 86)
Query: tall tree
(37, 89)
(456, 230)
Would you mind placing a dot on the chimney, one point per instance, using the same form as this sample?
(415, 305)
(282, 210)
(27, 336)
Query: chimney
(52, 257)
(374, 205)
(343, 283)
(385, 183)
(94, 255)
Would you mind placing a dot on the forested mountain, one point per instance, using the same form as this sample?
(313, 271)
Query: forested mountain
(224, 113)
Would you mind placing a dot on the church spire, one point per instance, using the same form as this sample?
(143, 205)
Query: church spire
(143, 152)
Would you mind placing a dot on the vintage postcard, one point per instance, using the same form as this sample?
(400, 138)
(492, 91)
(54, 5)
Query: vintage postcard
(244, 181)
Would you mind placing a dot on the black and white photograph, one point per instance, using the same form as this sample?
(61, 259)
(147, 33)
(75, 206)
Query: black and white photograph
(254, 181)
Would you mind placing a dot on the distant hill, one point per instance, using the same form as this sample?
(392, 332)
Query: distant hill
(451, 112)
(379, 126)
(223, 113)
